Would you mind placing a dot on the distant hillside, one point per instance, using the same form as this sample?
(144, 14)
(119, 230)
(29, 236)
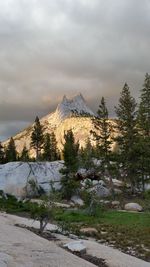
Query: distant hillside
(70, 114)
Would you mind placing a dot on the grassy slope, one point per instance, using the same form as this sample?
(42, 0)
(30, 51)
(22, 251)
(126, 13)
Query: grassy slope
(127, 231)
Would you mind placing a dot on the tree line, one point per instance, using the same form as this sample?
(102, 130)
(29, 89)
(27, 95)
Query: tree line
(131, 161)
(45, 146)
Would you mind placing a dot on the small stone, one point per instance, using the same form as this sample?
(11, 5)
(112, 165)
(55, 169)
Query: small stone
(88, 230)
(76, 246)
(115, 203)
(117, 191)
(73, 236)
(117, 183)
(106, 202)
(77, 200)
(133, 207)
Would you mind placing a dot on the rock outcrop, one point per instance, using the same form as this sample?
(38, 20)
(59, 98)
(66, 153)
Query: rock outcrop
(24, 179)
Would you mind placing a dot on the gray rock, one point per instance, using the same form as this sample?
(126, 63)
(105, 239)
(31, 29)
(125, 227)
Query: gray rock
(117, 191)
(73, 236)
(117, 183)
(76, 246)
(133, 207)
(77, 200)
(115, 203)
(20, 178)
(106, 202)
(100, 190)
(88, 230)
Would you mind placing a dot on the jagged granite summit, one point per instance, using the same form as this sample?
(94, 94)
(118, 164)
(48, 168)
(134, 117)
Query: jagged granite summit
(70, 114)
(68, 108)
(74, 106)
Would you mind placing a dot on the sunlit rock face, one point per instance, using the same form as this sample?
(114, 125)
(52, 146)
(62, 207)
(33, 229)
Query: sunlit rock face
(23, 179)
(70, 114)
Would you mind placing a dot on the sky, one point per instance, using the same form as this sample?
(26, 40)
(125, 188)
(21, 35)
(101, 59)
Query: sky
(49, 48)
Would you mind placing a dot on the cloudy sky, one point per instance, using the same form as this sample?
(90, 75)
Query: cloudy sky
(49, 48)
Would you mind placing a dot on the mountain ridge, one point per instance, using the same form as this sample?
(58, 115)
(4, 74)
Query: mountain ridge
(72, 114)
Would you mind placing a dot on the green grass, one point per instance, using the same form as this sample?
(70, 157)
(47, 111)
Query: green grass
(127, 219)
(125, 230)
(109, 217)
(11, 205)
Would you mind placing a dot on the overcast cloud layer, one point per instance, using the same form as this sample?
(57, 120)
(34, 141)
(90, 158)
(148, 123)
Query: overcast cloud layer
(50, 48)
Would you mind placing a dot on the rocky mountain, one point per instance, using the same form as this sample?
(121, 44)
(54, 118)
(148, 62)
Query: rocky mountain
(70, 114)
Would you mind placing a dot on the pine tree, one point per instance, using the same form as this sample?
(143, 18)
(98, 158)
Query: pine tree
(144, 108)
(70, 155)
(2, 154)
(70, 152)
(25, 154)
(54, 150)
(102, 130)
(50, 152)
(142, 149)
(11, 153)
(47, 147)
(37, 137)
(126, 113)
(144, 131)
(86, 154)
(102, 135)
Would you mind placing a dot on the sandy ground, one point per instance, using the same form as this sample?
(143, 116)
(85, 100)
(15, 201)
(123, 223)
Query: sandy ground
(21, 248)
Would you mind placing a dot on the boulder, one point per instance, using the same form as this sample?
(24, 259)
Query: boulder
(100, 191)
(117, 191)
(88, 230)
(77, 200)
(133, 207)
(105, 202)
(117, 183)
(22, 178)
(38, 201)
(115, 203)
(76, 246)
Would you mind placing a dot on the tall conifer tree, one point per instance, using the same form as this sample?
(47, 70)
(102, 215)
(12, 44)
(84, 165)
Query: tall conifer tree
(2, 154)
(70, 155)
(126, 113)
(102, 130)
(102, 135)
(86, 155)
(11, 153)
(54, 150)
(144, 131)
(25, 154)
(144, 107)
(37, 137)
(47, 148)
(50, 151)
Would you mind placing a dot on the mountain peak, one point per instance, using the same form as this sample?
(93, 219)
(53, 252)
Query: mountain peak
(73, 106)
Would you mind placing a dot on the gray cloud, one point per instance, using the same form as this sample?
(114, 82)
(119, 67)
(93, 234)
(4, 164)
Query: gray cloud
(51, 48)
